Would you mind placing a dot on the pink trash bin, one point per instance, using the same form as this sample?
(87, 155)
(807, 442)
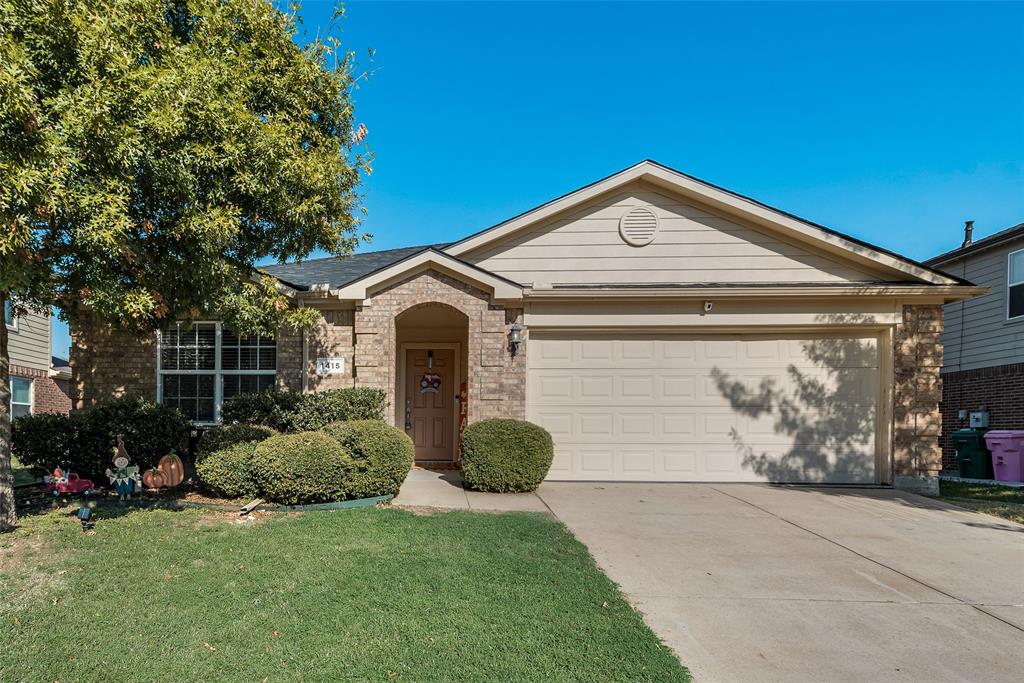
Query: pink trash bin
(1007, 446)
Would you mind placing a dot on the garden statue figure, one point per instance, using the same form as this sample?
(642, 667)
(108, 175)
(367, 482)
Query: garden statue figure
(125, 478)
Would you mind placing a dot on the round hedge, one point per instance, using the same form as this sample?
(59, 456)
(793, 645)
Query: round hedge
(308, 467)
(228, 471)
(505, 456)
(381, 453)
(218, 438)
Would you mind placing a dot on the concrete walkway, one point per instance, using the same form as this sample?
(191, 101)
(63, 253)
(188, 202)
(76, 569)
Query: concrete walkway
(443, 489)
(759, 583)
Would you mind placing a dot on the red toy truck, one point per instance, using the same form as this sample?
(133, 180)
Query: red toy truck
(67, 483)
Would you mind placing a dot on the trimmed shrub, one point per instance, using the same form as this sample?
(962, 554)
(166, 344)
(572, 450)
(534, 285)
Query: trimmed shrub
(290, 412)
(47, 440)
(219, 438)
(150, 430)
(308, 467)
(316, 411)
(270, 408)
(227, 471)
(85, 441)
(505, 456)
(381, 454)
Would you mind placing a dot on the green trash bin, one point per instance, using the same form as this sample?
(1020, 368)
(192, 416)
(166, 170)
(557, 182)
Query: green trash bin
(972, 454)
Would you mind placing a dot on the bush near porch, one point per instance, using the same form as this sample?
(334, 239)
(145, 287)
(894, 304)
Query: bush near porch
(347, 460)
(506, 456)
(290, 412)
(382, 456)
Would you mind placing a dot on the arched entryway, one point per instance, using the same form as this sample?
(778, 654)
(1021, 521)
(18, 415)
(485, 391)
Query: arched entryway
(431, 355)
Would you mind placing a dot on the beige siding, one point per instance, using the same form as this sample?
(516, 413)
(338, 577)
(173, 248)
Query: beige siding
(977, 333)
(29, 341)
(692, 245)
(747, 314)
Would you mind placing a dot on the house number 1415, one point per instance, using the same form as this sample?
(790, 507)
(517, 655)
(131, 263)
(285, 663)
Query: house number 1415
(330, 366)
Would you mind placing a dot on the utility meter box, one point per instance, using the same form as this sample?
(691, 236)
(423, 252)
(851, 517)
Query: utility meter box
(979, 419)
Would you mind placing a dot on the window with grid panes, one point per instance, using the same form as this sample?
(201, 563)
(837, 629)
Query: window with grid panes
(201, 364)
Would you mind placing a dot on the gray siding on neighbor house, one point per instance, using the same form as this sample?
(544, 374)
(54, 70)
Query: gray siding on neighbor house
(29, 341)
(977, 333)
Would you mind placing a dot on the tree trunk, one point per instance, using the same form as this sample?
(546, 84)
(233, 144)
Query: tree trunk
(7, 516)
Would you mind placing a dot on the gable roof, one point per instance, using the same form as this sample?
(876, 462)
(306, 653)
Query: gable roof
(846, 246)
(979, 245)
(337, 271)
(430, 257)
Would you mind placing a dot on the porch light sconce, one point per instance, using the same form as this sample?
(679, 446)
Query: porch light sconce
(515, 337)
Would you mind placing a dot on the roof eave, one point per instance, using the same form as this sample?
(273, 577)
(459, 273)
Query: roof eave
(503, 289)
(946, 293)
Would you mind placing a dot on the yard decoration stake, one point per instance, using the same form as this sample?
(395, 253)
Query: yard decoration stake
(172, 469)
(66, 482)
(152, 478)
(125, 478)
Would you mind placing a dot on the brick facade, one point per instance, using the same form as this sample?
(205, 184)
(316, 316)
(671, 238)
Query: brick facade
(998, 389)
(917, 390)
(49, 395)
(108, 363)
(497, 380)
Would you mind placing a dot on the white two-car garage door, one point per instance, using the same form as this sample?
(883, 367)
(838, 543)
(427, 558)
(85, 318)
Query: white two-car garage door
(798, 408)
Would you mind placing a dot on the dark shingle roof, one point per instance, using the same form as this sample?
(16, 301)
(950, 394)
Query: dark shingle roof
(978, 245)
(338, 271)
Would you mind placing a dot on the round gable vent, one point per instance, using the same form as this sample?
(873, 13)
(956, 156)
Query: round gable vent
(638, 226)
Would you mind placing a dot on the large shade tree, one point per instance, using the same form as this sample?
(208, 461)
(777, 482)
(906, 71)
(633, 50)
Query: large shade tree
(152, 151)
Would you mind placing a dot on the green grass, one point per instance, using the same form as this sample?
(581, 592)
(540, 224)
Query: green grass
(23, 474)
(367, 594)
(1001, 501)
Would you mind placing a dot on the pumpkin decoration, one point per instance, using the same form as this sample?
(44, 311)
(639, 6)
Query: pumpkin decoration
(153, 478)
(172, 469)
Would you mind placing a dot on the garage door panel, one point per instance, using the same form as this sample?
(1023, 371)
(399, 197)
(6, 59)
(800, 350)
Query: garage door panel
(598, 387)
(734, 408)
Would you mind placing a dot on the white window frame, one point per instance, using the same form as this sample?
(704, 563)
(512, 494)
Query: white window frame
(1019, 283)
(31, 394)
(217, 372)
(13, 325)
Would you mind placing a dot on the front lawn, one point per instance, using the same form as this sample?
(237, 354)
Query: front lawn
(367, 594)
(23, 474)
(1001, 501)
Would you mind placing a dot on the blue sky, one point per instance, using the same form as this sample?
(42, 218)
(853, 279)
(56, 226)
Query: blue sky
(891, 122)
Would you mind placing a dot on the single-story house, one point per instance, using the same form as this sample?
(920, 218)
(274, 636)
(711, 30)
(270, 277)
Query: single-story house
(660, 327)
(983, 339)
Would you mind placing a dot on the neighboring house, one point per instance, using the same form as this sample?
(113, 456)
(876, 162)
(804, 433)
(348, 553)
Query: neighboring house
(984, 337)
(40, 382)
(661, 328)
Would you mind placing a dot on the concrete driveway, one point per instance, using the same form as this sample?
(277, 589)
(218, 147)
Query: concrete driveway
(759, 583)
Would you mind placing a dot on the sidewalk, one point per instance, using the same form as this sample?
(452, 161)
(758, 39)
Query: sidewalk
(443, 489)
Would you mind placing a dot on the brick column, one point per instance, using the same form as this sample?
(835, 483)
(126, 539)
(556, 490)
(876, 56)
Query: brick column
(917, 392)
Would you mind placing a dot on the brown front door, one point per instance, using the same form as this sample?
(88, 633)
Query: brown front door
(429, 402)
